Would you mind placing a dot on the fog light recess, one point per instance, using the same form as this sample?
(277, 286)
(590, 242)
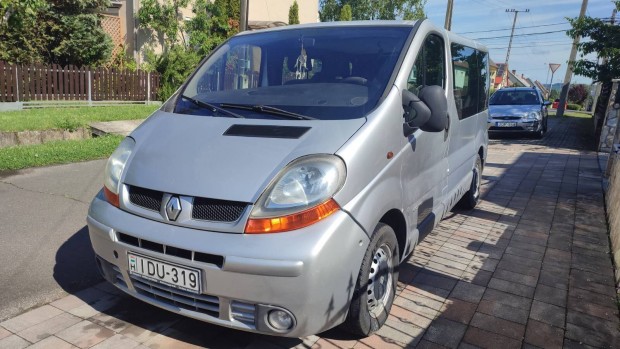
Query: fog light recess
(280, 320)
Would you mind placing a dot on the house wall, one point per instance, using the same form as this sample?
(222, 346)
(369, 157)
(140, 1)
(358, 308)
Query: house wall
(258, 10)
(277, 10)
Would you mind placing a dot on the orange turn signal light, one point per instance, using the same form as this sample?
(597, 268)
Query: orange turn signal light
(111, 197)
(293, 221)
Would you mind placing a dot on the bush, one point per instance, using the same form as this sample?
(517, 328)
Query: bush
(573, 107)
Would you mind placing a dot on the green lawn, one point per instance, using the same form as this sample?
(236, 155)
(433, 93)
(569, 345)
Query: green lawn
(572, 114)
(58, 152)
(69, 118)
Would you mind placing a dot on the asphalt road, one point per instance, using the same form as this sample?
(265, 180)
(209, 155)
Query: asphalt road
(44, 246)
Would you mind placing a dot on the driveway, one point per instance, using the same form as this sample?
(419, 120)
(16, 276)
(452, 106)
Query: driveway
(529, 267)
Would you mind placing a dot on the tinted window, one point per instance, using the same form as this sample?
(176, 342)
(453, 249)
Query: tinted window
(325, 73)
(471, 80)
(429, 68)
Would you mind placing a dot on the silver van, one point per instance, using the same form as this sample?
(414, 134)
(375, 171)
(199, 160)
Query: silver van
(279, 189)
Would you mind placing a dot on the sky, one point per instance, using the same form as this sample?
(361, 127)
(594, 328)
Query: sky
(530, 54)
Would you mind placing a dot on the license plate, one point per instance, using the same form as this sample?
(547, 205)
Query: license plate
(506, 124)
(173, 275)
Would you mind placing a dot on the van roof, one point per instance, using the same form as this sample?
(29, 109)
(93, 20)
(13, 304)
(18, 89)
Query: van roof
(376, 23)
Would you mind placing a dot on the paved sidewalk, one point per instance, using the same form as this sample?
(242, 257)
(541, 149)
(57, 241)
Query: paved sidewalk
(530, 267)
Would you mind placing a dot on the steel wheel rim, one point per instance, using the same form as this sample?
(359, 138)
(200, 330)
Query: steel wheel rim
(476, 182)
(380, 280)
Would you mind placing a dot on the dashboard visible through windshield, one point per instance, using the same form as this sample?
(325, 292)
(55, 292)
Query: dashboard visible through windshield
(318, 73)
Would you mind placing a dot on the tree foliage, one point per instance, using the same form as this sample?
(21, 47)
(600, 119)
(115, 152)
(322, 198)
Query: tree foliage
(293, 13)
(53, 31)
(186, 41)
(577, 94)
(602, 40)
(373, 9)
(346, 14)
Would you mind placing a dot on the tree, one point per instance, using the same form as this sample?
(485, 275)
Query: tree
(373, 9)
(577, 94)
(21, 39)
(345, 13)
(602, 40)
(293, 13)
(53, 31)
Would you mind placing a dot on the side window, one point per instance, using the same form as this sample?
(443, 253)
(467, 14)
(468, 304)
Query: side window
(429, 68)
(470, 80)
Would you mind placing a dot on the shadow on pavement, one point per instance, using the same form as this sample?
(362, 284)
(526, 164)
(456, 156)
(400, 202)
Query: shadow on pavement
(75, 267)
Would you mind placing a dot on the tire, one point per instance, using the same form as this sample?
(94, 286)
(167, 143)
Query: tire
(374, 292)
(471, 198)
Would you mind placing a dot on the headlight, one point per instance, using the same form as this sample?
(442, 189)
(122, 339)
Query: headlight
(114, 169)
(534, 115)
(300, 195)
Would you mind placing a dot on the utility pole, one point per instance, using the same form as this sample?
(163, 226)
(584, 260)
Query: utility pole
(243, 21)
(448, 23)
(569, 69)
(516, 12)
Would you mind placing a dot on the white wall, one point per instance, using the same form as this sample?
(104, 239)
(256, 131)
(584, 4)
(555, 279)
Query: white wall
(277, 10)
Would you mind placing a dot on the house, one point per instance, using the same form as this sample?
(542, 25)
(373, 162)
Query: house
(120, 23)
(492, 72)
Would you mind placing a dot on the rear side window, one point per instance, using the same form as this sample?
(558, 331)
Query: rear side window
(471, 80)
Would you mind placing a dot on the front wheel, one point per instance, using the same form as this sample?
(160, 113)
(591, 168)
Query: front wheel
(470, 199)
(375, 288)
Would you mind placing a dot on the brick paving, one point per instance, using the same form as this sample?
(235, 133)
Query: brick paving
(529, 267)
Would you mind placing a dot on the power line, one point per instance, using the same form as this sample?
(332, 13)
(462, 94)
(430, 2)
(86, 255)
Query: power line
(527, 34)
(532, 26)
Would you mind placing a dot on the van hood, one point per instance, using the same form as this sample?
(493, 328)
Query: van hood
(512, 110)
(225, 158)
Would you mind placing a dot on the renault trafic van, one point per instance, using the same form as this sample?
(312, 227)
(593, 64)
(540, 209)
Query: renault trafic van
(280, 187)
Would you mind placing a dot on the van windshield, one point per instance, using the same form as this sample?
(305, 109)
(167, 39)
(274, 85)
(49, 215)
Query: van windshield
(308, 73)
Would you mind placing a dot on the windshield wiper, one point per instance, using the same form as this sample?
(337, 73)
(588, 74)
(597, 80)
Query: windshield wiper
(267, 110)
(215, 109)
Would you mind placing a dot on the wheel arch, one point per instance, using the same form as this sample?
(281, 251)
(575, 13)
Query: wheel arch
(396, 220)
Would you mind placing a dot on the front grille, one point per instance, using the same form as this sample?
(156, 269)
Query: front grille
(217, 210)
(118, 277)
(171, 250)
(209, 305)
(146, 198)
(243, 312)
(495, 128)
(204, 209)
(506, 118)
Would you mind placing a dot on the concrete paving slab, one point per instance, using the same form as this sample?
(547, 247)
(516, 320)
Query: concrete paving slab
(122, 127)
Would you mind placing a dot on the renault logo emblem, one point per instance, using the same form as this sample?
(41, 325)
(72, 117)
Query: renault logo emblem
(173, 208)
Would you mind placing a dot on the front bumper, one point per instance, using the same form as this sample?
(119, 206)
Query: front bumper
(310, 272)
(521, 125)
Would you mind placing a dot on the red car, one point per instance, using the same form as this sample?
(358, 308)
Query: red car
(556, 103)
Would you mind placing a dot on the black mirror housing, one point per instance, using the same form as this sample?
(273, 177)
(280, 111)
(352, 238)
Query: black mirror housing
(416, 112)
(434, 98)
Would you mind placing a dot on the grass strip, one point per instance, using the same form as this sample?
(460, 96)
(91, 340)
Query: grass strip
(69, 118)
(58, 152)
(572, 114)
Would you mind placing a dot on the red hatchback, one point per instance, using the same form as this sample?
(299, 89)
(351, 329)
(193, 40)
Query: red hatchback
(556, 103)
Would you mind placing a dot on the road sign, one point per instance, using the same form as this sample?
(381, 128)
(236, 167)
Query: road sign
(554, 67)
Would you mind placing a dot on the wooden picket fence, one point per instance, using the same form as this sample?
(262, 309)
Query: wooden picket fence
(37, 82)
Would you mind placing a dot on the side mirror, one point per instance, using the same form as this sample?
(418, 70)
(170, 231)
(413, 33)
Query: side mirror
(547, 103)
(435, 99)
(416, 112)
